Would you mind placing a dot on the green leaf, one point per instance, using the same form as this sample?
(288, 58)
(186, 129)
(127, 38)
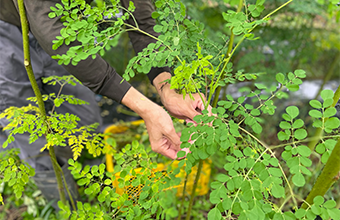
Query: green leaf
(260, 86)
(181, 154)
(300, 213)
(329, 112)
(316, 209)
(280, 78)
(282, 136)
(275, 171)
(143, 195)
(298, 123)
(332, 123)
(222, 177)
(202, 153)
(292, 111)
(226, 204)
(285, 125)
(330, 143)
(299, 180)
(315, 104)
(293, 87)
(300, 73)
(237, 209)
(315, 113)
(238, 153)
(304, 151)
(52, 15)
(108, 182)
(327, 103)
(286, 117)
(329, 204)
(288, 215)
(277, 190)
(214, 214)
(278, 216)
(176, 41)
(320, 148)
(325, 157)
(12, 182)
(257, 128)
(155, 15)
(318, 200)
(334, 213)
(158, 28)
(255, 112)
(327, 94)
(300, 134)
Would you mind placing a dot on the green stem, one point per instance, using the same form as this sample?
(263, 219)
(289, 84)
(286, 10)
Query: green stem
(217, 94)
(327, 178)
(289, 186)
(319, 131)
(191, 202)
(336, 96)
(54, 162)
(232, 52)
(183, 198)
(27, 57)
(57, 172)
(36, 90)
(228, 55)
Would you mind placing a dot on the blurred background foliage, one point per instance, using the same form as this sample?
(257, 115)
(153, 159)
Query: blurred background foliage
(304, 35)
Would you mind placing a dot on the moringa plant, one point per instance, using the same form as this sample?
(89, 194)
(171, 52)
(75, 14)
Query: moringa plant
(257, 180)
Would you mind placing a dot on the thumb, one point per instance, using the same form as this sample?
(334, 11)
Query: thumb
(174, 138)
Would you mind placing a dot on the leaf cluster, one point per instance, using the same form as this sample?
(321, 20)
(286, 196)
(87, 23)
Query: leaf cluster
(14, 172)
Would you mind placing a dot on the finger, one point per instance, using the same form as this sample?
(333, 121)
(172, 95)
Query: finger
(192, 113)
(190, 121)
(167, 149)
(174, 140)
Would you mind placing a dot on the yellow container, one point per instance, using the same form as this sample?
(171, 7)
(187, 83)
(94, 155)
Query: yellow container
(134, 191)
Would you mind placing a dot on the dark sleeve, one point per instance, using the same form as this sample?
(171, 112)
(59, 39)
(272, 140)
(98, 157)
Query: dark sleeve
(142, 15)
(96, 73)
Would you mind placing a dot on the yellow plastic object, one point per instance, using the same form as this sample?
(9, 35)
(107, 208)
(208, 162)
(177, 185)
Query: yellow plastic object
(134, 191)
(116, 129)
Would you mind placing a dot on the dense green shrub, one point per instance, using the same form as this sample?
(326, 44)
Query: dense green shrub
(255, 180)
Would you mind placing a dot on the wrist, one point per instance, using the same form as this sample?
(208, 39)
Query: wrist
(163, 86)
(161, 81)
(138, 103)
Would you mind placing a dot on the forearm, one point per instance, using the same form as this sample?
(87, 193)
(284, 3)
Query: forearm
(138, 103)
(96, 74)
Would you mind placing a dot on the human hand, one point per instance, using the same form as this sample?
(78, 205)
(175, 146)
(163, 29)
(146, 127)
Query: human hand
(178, 107)
(162, 135)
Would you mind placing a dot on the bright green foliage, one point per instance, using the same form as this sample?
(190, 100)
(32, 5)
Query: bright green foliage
(58, 129)
(291, 80)
(295, 154)
(14, 172)
(148, 199)
(253, 174)
(85, 28)
(324, 118)
(254, 181)
(324, 209)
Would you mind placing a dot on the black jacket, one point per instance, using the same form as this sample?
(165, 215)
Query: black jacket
(96, 73)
